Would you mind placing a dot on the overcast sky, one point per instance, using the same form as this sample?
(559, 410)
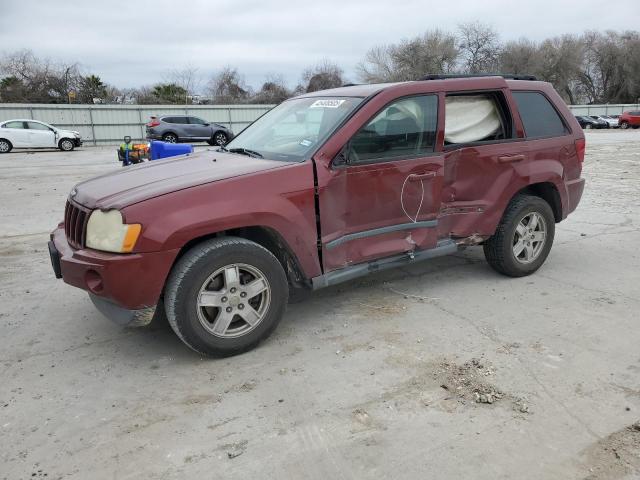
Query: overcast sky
(132, 43)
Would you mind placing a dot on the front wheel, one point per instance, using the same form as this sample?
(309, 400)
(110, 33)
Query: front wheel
(220, 139)
(66, 145)
(523, 238)
(226, 295)
(624, 125)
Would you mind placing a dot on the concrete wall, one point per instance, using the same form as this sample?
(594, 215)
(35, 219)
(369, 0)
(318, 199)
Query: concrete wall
(108, 124)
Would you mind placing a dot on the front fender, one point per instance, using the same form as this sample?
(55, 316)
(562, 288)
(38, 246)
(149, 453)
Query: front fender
(283, 203)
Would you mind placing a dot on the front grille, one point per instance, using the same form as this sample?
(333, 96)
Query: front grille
(75, 224)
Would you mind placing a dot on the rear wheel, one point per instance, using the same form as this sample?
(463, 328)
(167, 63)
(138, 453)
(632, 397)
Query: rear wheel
(226, 295)
(66, 145)
(588, 126)
(170, 138)
(523, 238)
(5, 146)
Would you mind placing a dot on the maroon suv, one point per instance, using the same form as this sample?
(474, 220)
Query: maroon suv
(322, 189)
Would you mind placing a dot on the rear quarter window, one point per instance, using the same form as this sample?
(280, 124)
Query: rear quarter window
(539, 117)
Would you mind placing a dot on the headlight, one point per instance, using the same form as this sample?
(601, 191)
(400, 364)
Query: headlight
(105, 231)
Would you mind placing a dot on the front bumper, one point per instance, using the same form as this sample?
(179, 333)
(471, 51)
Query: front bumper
(121, 285)
(77, 142)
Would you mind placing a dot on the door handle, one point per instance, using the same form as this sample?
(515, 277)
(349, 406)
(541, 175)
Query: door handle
(414, 177)
(510, 158)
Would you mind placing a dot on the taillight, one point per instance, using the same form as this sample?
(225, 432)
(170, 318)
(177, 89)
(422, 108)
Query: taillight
(581, 145)
(153, 123)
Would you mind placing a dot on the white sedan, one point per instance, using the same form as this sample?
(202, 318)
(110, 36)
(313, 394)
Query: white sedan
(27, 133)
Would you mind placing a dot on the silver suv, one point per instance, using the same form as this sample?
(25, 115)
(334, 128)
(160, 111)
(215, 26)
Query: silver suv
(183, 128)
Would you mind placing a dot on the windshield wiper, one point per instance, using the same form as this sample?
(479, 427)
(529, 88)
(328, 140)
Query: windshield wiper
(222, 149)
(245, 151)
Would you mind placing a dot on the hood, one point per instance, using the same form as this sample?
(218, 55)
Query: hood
(134, 184)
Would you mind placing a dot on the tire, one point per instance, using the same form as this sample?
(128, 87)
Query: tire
(624, 125)
(588, 126)
(500, 249)
(5, 146)
(219, 138)
(170, 138)
(210, 268)
(66, 144)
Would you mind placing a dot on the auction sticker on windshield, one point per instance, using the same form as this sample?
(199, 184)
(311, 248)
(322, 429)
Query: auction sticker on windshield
(327, 103)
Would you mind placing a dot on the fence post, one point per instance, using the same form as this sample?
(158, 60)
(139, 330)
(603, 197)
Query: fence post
(230, 122)
(142, 135)
(93, 127)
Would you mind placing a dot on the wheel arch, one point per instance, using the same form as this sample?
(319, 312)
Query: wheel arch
(546, 191)
(266, 237)
(63, 139)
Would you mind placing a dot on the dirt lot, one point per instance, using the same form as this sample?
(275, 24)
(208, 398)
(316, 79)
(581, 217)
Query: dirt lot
(443, 370)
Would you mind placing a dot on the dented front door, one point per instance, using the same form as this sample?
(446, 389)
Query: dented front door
(382, 195)
(378, 210)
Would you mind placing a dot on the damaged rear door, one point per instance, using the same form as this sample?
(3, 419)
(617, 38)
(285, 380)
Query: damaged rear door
(384, 192)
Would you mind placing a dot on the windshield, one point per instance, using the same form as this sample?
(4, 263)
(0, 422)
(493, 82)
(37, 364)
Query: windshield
(293, 129)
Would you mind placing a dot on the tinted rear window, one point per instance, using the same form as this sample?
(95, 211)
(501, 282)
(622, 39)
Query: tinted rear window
(538, 116)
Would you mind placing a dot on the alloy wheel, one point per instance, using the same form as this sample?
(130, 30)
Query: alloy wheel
(220, 138)
(4, 146)
(529, 238)
(233, 300)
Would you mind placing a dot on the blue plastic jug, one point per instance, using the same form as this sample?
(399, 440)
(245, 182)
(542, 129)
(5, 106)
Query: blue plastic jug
(160, 149)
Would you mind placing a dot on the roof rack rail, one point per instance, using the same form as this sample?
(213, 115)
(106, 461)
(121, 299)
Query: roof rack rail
(508, 76)
(352, 84)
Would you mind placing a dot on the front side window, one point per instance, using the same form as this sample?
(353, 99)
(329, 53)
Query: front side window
(37, 126)
(14, 125)
(471, 118)
(538, 116)
(294, 129)
(405, 128)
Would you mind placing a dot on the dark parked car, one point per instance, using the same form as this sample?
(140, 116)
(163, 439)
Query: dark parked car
(630, 119)
(589, 123)
(323, 189)
(183, 128)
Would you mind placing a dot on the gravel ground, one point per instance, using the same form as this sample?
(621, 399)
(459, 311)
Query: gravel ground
(441, 370)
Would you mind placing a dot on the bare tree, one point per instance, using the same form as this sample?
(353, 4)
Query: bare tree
(479, 45)
(562, 58)
(602, 76)
(273, 90)
(433, 52)
(521, 57)
(44, 81)
(322, 76)
(229, 87)
(188, 79)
